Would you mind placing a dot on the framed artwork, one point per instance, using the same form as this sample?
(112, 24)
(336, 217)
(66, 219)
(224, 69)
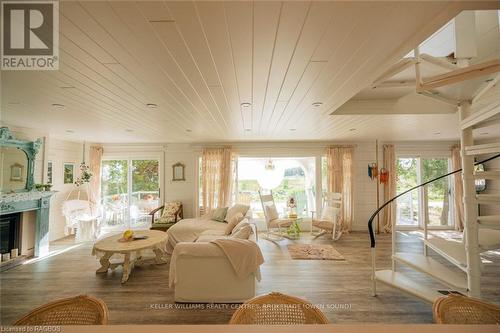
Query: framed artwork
(178, 172)
(49, 172)
(69, 173)
(16, 172)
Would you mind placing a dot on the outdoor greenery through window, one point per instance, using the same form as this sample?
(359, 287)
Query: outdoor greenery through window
(285, 177)
(432, 202)
(127, 204)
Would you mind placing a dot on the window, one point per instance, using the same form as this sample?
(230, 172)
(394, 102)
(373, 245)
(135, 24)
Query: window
(285, 177)
(431, 203)
(130, 190)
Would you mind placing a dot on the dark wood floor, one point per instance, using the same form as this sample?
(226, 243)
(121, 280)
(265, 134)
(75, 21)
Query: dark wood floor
(342, 288)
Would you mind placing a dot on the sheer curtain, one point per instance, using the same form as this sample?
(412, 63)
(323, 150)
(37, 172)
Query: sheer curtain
(458, 193)
(340, 180)
(216, 178)
(95, 156)
(388, 216)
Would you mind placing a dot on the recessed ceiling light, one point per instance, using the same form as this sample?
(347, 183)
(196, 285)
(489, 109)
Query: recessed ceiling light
(67, 87)
(317, 104)
(58, 106)
(152, 105)
(484, 133)
(129, 130)
(70, 131)
(352, 129)
(437, 133)
(293, 129)
(189, 130)
(246, 105)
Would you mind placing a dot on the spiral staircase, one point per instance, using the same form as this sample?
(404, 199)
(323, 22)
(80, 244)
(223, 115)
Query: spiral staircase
(481, 232)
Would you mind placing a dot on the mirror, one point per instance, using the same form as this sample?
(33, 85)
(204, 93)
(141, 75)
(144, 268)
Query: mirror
(14, 164)
(178, 172)
(17, 162)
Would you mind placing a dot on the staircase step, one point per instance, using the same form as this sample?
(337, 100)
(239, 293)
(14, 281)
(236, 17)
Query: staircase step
(489, 239)
(487, 174)
(489, 221)
(432, 268)
(400, 281)
(488, 199)
(450, 249)
(487, 148)
(480, 117)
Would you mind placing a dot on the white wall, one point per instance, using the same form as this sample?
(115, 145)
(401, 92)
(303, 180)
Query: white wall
(60, 152)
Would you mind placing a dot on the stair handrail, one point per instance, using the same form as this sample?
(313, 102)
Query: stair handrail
(372, 217)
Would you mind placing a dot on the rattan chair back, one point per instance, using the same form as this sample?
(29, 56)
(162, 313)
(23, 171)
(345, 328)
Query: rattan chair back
(277, 309)
(79, 310)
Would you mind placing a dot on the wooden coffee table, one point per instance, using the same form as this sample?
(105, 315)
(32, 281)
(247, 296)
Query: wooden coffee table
(131, 251)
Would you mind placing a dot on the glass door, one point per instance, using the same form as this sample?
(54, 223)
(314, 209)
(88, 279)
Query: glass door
(431, 203)
(114, 192)
(145, 192)
(130, 190)
(437, 194)
(407, 206)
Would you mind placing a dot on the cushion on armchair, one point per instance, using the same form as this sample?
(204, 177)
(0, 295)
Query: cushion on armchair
(170, 211)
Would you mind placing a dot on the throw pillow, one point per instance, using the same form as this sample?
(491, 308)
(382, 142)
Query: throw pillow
(232, 222)
(237, 208)
(169, 211)
(165, 220)
(243, 233)
(240, 225)
(271, 212)
(219, 214)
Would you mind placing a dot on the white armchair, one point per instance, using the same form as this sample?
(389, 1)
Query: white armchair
(329, 222)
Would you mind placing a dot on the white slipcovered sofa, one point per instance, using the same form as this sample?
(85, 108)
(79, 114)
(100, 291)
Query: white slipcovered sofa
(200, 271)
(204, 274)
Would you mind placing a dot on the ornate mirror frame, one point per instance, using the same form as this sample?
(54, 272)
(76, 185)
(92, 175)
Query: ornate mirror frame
(176, 168)
(30, 148)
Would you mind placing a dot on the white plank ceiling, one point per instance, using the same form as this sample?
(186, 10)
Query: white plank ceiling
(200, 62)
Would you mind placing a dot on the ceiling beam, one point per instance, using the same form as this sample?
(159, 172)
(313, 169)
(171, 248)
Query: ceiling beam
(461, 74)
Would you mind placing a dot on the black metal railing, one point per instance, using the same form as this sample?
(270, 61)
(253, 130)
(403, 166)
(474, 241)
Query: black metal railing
(370, 221)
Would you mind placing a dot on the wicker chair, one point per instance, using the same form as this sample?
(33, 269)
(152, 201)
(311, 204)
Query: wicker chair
(456, 309)
(277, 309)
(79, 310)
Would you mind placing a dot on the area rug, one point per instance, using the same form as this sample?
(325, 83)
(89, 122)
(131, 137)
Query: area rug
(314, 252)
